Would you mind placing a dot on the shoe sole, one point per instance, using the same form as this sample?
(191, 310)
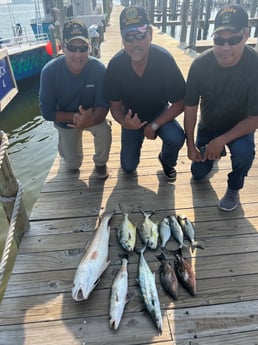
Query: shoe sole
(227, 209)
(169, 179)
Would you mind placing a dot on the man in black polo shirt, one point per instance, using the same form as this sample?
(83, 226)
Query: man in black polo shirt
(146, 89)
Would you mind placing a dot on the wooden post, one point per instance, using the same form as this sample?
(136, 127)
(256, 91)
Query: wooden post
(164, 16)
(194, 24)
(184, 17)
(207, 18)
(9, 189)
(199, 34)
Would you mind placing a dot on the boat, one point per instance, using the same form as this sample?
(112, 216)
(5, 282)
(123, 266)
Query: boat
(27, 52)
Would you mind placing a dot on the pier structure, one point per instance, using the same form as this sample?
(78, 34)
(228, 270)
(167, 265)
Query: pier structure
(38, 307)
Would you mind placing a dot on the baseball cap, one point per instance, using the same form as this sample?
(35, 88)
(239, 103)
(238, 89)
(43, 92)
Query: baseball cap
(133, 18)
(231, 18)
(75, 29)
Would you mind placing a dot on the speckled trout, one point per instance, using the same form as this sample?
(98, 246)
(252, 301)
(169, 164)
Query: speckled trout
(94, 261)
(119, 296)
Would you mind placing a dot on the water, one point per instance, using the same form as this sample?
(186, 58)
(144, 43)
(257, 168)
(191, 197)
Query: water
(32, 140)
(17, 13)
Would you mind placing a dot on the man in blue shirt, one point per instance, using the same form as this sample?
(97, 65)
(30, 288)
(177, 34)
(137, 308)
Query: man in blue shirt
(71, 95)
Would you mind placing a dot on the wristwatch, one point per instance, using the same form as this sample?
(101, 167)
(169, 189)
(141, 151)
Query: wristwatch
(154, 126)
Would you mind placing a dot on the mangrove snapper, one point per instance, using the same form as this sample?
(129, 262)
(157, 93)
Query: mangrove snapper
(168, 276)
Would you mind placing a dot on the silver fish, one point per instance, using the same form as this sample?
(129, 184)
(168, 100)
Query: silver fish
(176, 231)
(126, 233)
(146, 280)
(149, 231)
(119, 296)
(164, 232)
(188, 231)
(93, 263)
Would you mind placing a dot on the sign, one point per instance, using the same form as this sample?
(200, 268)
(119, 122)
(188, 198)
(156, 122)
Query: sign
(8, 86)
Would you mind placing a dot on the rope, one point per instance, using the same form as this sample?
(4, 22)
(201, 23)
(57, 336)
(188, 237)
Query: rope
(10, 235)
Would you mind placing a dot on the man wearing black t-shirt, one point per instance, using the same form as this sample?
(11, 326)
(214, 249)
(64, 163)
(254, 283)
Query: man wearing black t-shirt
(145, 89)
(224, 80)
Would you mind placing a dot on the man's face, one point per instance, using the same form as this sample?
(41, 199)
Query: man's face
(137, 44)
(228, 47)
(76, 55)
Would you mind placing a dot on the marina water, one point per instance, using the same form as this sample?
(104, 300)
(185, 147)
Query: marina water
(32, 140)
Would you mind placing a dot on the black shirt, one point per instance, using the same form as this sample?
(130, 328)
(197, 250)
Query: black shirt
(227, 95)
(162, 82)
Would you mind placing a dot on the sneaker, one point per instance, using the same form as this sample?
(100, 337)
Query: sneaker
(169, 172)
(230, 200)
(102, 171)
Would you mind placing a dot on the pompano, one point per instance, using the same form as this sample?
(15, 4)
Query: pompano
(146, 280)
(188, 231)
(126, 233)
(176, 231)
(185, 272)
(94, 261)
(164, 232)
(168, 276)
(148, 231)
(119, 296)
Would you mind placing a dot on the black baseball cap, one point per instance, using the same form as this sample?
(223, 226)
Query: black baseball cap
(75, 29)
(133, 18)
(231, 18)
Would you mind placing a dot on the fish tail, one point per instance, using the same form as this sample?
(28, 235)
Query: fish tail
(196, 245)
(161, 257)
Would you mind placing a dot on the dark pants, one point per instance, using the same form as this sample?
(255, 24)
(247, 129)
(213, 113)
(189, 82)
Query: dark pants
(171, 134)
(242, 152)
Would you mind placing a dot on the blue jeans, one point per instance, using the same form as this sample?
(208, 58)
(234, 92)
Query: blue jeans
(242, 152)
(171, 134)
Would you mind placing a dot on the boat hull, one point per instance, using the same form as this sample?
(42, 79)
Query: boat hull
(28, 62)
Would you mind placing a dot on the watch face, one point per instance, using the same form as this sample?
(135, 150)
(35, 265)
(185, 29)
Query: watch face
(154, 126)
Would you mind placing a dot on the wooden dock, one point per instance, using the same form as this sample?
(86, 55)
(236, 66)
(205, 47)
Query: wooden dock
(38, 307)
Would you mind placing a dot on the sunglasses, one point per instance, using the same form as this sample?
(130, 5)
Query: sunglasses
(131, 38)
(73, 49)
(232, 41)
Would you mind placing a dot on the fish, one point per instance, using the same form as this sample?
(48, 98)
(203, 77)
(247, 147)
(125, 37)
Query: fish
(146, 280)
(119, 295)
(176, 231)
(148, 231)
(164, 232)
(188, 231)
(168, 277)
(126, 233)
(93, 262)
(185, 273)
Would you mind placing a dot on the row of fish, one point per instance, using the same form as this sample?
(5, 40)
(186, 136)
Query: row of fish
(150, 232)
(95, 261)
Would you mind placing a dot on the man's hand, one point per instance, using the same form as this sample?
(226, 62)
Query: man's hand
(132, 121)
(82, 119)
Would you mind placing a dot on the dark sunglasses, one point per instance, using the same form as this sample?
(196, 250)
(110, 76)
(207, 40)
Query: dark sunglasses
(131, 38)
(232, 41)
(73, 49)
